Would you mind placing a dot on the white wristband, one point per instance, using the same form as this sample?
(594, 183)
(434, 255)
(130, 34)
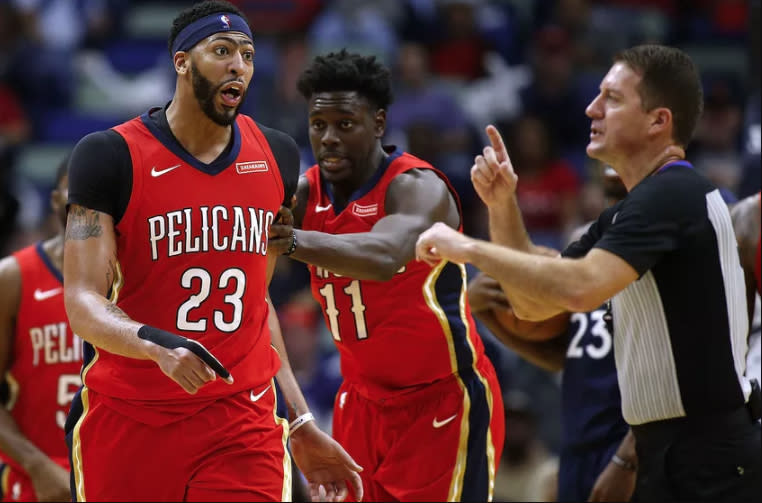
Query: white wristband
(299, 422)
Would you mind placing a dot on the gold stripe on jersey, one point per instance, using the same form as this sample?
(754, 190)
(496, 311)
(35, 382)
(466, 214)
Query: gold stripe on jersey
(487, 391)
(459, 470)
(76, 448)
(283, 423)
(87, 367)
(13, 390)
(431, 301)
(6, 472)
(117, 283)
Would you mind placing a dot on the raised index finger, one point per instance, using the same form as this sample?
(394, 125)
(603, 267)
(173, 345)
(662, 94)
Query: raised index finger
(497, 143)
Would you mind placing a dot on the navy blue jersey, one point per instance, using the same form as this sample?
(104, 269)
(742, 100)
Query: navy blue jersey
(591, 405)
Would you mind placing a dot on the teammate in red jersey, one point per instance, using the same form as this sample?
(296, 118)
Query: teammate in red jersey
(166, 277)
(420, 407)
(40, 358)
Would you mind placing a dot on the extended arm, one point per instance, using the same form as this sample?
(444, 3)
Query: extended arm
(90, 270)
(415, 200)
(495, 181)
(540, 343)
(50, 481)
(551, 285)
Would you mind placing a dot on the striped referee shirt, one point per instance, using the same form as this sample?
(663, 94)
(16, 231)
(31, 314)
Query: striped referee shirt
(680, 330)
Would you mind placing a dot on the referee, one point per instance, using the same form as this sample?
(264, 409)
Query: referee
(667, 256)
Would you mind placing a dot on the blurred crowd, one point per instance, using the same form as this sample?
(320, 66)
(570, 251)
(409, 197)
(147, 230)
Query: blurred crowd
(70, 67)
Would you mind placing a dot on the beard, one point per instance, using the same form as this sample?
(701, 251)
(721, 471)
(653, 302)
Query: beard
(205, 92)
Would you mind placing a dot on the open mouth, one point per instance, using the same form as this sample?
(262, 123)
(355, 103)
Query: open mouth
(231, 94)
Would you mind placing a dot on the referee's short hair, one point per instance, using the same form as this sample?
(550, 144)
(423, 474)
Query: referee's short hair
(670, 79)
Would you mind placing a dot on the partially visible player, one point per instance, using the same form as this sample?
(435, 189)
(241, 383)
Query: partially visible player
(40, 359)
(746, 223)
(598, 460)
(420, 407)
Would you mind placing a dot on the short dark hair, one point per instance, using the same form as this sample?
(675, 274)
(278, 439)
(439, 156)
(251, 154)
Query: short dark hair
(197, 11)
(345, 71)
(669, 79)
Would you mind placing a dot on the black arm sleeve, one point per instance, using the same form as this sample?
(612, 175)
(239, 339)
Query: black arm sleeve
(100, 173)
(286, 155)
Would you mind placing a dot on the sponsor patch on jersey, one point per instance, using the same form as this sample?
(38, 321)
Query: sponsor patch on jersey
(251, 167)
(365, 211)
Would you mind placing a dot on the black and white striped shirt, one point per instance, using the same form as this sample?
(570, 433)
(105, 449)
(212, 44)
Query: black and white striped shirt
(680, 330)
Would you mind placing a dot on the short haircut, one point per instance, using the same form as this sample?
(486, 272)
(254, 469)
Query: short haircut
(197, 11)
(344, 71)
(670, 79)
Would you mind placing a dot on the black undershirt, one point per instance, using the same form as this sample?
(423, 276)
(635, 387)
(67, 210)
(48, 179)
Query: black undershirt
(100, 166)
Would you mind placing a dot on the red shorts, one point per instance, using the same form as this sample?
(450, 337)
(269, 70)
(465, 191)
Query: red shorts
(232, 450)
(439, 443)
(15, 484)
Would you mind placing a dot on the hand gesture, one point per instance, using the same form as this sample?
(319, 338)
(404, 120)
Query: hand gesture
(325, 464)
(185, 361)
(50, 481)
(492, 173)
(614, 484)
(442, 242)
(485, 293)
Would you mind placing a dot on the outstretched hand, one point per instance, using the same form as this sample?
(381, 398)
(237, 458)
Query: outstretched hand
(492, 174)
(325, 464)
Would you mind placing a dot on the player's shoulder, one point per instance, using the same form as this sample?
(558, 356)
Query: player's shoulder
(418, 182)
(10, 278)
(275, 135)
(102, 141)
(746, 217)
(749, 205)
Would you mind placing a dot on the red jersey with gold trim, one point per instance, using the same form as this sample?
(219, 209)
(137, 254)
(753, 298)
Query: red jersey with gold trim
(47, 357)
(192, 256)
(392, 335)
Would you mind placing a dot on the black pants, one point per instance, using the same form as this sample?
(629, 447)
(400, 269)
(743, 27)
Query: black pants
(715, 458)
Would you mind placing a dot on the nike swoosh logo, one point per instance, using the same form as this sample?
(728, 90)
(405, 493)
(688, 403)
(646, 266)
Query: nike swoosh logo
(256, 397)
(155, 173)
(439, 424)
(319, 209)
(46, 294)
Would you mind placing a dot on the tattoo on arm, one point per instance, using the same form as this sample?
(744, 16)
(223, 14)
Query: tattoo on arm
(113, 309)
(83, 223)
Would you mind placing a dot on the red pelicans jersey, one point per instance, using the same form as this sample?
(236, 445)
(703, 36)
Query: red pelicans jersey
(409, 331)
(47, 357)
(192, 255)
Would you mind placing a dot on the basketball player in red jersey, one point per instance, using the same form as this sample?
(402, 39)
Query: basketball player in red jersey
(40, 359)
(166, 276)
(420, 407)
